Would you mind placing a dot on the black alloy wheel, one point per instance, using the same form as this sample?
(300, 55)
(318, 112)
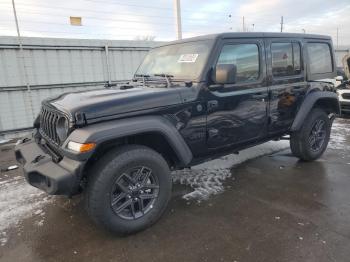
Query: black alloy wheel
(317, 135)
(134, 193)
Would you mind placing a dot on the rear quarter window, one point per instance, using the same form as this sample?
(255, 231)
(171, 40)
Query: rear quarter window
(320, 58)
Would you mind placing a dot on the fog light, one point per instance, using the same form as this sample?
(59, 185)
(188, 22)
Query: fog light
(81, 148)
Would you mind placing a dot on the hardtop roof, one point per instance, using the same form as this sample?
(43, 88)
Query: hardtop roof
(251, 35)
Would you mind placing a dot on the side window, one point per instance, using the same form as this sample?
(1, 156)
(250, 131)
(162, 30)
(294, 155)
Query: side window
(246, 59)
(320, 59)
(286, 59)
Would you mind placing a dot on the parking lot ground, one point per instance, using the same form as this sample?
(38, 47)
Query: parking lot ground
(273, 208)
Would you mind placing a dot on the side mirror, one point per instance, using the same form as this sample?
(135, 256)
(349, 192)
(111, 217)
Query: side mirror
(225, 74)
(339, 78)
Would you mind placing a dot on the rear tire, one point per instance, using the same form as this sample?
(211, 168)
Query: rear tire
(128, 189)
(310, 142)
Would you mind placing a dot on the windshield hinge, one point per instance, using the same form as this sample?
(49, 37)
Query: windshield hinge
(80, 119)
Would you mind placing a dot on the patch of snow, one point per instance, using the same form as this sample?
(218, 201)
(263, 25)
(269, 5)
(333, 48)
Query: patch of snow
(3, 238)
(38, 212)
(207, 179)
(39, 223)
(18, 200)
(338, 136)
(3, 141)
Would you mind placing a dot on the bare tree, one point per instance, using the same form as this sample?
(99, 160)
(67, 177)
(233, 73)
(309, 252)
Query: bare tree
(145, 37)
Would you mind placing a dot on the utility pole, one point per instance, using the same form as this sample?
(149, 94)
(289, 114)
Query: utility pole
(177, 13)
(243, 25)
(253, 26)
(281, 24)
(20, 46)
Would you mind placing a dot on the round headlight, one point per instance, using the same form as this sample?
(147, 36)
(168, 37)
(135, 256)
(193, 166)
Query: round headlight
(62, 128)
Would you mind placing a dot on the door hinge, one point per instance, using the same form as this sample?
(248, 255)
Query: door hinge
(212, 104)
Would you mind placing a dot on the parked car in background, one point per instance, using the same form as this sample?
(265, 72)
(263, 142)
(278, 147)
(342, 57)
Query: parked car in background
(190, 101)
(343, 92)
(343, 88)
(341, 72)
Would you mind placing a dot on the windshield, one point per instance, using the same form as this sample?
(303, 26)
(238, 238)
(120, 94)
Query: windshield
(182, 61)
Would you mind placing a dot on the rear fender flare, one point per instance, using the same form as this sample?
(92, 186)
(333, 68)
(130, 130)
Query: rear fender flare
(311, 100)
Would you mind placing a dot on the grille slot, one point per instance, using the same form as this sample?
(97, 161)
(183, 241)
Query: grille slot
(346, 95)
(48, 122)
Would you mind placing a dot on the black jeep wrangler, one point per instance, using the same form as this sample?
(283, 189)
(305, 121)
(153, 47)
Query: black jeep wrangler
(189, 101)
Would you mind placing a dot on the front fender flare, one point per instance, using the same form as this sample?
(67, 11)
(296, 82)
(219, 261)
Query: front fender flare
(106, 131)
(310, 101)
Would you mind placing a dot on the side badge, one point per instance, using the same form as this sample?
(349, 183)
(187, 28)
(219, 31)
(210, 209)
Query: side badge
(199, 108)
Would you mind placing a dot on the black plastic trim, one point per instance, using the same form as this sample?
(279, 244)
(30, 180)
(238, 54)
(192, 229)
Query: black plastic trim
(106, 131)
(309, 103)
(41, 172)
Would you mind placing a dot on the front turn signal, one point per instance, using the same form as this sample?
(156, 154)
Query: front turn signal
(80, 148)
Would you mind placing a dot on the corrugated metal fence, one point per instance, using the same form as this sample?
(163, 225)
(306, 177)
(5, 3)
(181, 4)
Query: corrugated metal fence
(47, 67)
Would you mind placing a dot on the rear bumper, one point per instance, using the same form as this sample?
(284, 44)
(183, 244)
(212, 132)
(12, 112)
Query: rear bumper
(62, 178)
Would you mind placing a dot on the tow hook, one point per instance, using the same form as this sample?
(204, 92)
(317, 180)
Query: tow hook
(22, 141)
(37, 159)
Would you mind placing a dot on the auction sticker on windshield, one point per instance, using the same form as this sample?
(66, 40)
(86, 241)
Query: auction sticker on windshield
(188, 58)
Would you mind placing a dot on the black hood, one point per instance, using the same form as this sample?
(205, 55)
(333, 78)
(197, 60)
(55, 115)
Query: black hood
(104, 103)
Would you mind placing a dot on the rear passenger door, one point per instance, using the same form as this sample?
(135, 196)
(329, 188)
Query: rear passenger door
(287, 85)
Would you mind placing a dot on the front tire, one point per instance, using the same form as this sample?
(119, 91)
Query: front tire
(310, 142)
(128, 189)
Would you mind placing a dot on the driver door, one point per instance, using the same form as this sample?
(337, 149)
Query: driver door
(237, 112)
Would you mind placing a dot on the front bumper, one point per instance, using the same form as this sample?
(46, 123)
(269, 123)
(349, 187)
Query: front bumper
(62, 178)
(345, 106)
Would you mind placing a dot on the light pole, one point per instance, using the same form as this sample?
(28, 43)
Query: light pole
(282, 24)
(20, 46)
(177, 12)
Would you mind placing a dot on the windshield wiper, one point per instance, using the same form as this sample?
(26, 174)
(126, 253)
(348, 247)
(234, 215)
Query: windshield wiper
(143, 77)
(167, 78)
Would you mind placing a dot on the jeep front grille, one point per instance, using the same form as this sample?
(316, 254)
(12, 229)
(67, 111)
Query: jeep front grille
(48, 121)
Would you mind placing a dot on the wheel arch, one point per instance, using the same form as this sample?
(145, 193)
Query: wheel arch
(155, 132)
(325, 100)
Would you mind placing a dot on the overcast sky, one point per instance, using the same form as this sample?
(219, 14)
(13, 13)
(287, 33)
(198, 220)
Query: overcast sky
(128, 19)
